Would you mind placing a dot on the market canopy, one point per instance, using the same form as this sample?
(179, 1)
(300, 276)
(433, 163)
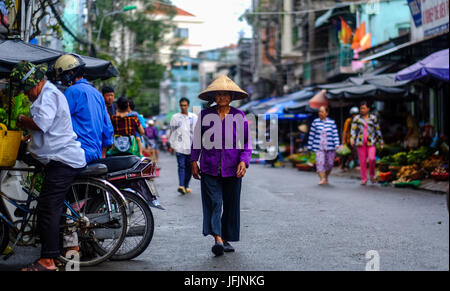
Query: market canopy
(296, 96)
(435, 65)
(12, 51)
(380, 86)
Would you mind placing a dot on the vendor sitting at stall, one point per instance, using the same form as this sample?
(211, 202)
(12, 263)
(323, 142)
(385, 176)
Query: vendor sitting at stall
(54, 144)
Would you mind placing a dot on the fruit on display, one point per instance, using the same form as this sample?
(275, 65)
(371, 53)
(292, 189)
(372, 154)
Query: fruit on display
(409, 173)
(439, 170)
(430, 164)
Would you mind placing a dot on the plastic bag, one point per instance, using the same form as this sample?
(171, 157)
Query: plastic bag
(343, 150)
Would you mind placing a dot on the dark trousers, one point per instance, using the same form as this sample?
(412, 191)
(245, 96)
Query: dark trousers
(57, 180)
(218, 192)
(184, 169)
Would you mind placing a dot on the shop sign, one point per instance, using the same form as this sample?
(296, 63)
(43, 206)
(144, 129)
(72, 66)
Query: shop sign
(435, 16)
(416, 11)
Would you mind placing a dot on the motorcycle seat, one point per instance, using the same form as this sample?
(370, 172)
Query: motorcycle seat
(94, 170)
(119, 163)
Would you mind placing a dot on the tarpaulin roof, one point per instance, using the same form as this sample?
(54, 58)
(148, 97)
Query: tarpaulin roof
(436, 65)
(296, 96)
(13, 51)
(367, 86)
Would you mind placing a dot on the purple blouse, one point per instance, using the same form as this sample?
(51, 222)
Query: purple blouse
(221, 156)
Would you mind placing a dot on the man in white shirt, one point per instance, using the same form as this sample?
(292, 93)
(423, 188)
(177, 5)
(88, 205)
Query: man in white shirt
(54, 144)
(181, 133)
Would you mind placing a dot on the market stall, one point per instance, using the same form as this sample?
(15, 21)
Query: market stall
(411, 168)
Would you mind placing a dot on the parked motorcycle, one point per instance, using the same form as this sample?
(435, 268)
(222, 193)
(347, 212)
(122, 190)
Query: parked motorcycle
(96, 212)
(134, 177)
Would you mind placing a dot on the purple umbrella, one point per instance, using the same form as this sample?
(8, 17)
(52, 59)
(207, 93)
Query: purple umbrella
(435, 65)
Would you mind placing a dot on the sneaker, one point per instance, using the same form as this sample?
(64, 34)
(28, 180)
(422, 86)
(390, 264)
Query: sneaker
(182, 190)
(188, 190)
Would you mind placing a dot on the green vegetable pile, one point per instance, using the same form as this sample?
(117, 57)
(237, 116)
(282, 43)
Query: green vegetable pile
(417, 156)
(20, 105)
(404, 158)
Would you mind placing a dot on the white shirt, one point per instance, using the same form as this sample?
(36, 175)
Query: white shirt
(181, 132)
(56, 140)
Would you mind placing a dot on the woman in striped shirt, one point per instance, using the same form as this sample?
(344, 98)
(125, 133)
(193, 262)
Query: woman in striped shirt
(323, 140)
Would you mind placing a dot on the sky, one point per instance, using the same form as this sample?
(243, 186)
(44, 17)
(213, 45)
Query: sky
(221, 20)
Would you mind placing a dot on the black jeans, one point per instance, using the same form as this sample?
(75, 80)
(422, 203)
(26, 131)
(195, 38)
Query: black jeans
(57, 180)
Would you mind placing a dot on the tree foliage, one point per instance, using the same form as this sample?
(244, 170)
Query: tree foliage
(41, 11)
(140, 73)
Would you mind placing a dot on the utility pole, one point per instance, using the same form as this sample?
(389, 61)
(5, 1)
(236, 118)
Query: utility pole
(311, 38)
(89, 25)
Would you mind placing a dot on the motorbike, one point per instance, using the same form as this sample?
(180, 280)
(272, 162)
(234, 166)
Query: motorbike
(134, 177)
(96, 212)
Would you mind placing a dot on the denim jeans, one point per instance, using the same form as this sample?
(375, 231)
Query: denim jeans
(184, 169)
(218, 192)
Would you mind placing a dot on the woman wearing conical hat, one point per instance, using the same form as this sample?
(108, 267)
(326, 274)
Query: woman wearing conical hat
(222, 141)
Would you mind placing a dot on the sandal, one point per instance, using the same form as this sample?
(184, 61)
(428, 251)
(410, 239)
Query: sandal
(37, 267)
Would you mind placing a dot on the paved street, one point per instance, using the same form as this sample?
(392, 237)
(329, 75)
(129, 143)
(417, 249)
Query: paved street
(290, 223)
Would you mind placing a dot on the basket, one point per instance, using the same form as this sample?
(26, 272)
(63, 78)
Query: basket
(305, 167)
(385, 176)
(440, 177)
(9, 146)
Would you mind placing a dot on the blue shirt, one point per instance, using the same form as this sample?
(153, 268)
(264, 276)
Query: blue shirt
(90, 119)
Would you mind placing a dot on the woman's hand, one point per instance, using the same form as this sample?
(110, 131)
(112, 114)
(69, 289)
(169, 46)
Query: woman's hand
(242, 169)
(195, 171)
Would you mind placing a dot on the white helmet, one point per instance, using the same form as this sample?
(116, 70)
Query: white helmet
(66, 63)
(354, 110)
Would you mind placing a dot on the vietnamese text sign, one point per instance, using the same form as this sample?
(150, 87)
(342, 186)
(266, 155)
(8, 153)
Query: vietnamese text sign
(435, 16)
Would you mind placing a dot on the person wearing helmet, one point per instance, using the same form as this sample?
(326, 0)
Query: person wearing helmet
(346, 134)
(90, 118)
(53, 144)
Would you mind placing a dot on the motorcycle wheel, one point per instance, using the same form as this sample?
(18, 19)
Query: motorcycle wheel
(140, 228)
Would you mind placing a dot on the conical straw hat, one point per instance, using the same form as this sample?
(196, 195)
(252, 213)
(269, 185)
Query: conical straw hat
(223, 83)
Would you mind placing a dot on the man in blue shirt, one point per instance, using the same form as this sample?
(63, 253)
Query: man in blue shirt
(90, 118)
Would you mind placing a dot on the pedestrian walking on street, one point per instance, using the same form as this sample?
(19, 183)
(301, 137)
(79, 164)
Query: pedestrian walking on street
(346, 134)
(365, 135)
(181, 132)
(223, 163)
(152, 139)
(324, 140)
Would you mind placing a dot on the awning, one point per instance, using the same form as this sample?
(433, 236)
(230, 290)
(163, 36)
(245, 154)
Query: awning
(330, 13)
(12, 51)
(297, 96)
(248, 106)
(388, 51)
(435, 65)
(280, 110)
(382, 86)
